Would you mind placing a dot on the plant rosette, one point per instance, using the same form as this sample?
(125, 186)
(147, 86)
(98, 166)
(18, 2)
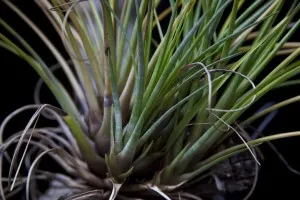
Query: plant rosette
(158, 96)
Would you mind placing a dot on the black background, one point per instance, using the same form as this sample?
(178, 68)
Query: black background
(17, 81)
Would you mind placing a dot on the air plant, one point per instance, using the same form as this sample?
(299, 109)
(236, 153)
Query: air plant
(148, 114)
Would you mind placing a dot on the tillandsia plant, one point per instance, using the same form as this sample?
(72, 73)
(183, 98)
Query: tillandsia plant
(149, 114)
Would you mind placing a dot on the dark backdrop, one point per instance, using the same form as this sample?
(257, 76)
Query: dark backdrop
(17, 81)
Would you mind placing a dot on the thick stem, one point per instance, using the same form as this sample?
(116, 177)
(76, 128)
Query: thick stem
(103, 136)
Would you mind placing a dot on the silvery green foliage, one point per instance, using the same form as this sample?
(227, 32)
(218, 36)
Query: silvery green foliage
(151, 115)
